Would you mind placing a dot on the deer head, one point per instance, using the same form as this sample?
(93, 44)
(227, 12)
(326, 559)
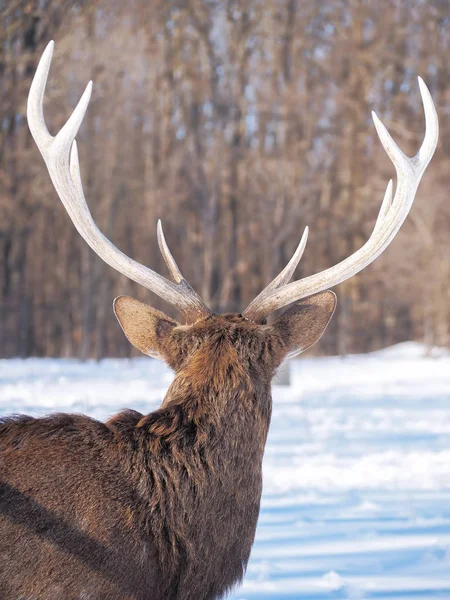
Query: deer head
(156, 334)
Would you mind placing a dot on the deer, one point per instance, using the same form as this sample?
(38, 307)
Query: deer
(165, 505)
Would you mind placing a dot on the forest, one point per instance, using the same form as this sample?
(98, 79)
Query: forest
(237, 123)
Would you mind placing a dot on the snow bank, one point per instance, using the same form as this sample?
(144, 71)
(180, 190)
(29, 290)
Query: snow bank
(356, 471)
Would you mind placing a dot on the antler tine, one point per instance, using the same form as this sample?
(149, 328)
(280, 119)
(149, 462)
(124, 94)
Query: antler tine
(428, 146)
(66, 136)
(35, 109)
(391, 216)
(286, 274)
(385, 207)
(167, 255)
(61, 157)
(74, 164)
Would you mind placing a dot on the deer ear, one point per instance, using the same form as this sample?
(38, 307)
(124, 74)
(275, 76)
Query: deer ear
(304, 323)
(145, 327)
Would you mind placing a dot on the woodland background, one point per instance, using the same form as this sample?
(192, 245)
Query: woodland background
(237, 123)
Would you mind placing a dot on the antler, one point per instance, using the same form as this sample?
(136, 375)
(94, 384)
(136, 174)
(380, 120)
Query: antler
(61, 157)
(391, 216)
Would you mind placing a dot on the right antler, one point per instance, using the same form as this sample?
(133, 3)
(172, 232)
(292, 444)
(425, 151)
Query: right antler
(61, 157)
(280, 293)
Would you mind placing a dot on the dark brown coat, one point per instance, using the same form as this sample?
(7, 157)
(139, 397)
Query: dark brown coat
(156, 507)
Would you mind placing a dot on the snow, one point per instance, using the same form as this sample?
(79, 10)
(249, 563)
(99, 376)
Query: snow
(356, 501)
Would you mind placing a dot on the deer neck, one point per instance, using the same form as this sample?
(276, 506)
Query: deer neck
(194, 459)
(212, 435)
(221, 404)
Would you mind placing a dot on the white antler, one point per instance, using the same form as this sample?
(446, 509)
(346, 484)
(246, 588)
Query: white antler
(61, 157)
(391, 216)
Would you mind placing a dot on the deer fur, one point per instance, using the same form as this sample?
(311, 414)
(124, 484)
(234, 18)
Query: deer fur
(160, 506)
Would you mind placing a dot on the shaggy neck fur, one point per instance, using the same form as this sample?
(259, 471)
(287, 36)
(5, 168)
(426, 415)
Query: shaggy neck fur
(196, 463)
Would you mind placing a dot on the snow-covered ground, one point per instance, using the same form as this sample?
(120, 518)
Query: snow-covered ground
(356, 501)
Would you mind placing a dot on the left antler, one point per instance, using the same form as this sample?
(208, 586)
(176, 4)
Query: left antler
(392, 214)
(61, 157)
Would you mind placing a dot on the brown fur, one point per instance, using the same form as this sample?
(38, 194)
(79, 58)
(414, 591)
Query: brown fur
(161, 506)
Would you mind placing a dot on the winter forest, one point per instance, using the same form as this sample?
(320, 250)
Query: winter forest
(237, 124)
